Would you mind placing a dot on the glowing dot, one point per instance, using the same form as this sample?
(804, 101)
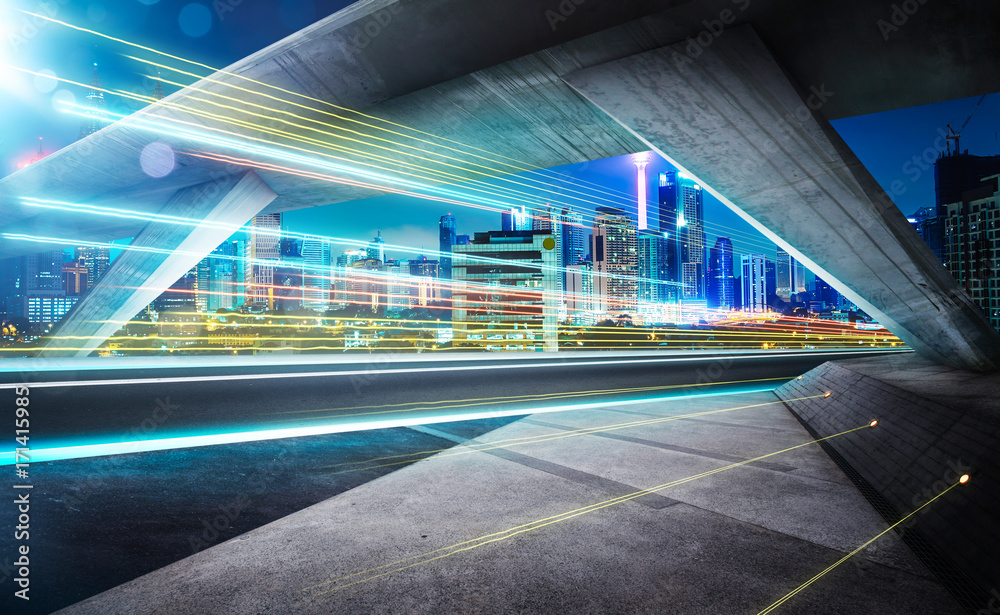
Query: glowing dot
(157, 159)
(46, 81)
(799, 378)
(873, 423)
(195, 20)
(63, 100)
(549, 243)
(828, 393)
(965, 478)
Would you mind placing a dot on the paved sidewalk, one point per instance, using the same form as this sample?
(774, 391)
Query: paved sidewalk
(485, 531)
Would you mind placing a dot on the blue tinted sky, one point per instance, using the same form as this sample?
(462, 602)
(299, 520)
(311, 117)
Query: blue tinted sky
(224, 31)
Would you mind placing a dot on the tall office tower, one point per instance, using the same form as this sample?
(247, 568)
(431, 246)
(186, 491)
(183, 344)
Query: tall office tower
(95, 260)
(955, 172)
(827, 296)
(720, 275)
(971, 249)
(580, 293)
(291, 247)
(682, 222)
(574, 238)
(158, 88)
(95, 115)
(288, 292)
(264, 254)
(754, 284)
(366, 283)
(640, 168)
(790, 276)
(316, 275)
(376, 248)
(515, 220)
(400, 289)
(615, 253)
(35, 288)
(341, 275)
(506, 305)
(218, 278)
(446, 239)
(925, 222)
(547, 220)
(202, 275)
(238, 249)
(652, 265)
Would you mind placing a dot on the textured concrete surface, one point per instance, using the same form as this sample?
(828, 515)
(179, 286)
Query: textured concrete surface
(732, 118)
(734, 542)
(934, 425)
(163, 252)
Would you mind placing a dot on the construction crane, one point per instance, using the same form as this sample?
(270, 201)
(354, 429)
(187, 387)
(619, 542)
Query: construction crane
(955, 136)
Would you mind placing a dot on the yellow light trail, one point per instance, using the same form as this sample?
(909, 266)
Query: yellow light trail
(964, 479)
(475, 543)
(477, 447)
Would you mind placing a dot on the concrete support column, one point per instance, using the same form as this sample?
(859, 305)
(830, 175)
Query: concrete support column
(730, 117)
(137, 277)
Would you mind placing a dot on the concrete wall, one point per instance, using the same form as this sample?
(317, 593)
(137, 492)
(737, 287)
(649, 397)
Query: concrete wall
(919, 448)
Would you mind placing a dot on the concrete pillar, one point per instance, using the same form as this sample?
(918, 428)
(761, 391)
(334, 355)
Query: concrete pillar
(135, 278)
(727, 114)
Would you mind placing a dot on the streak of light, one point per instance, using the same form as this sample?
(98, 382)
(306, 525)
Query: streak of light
(400, 565)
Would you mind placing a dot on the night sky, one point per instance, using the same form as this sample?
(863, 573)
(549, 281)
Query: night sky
(212, 33)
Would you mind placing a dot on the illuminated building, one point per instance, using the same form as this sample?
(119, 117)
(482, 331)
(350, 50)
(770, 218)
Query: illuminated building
(790, 276)
(640, 168)
(615, 253)
(264, 248)
(652, 266)
(399, 287)
(515, 220)
(315, 266)
(753, 283)
(505, 292)
(720, 275)
(574, 238)
(181, 296)
(95, 260)
(340, 273)
(682, 223)
(549, 221)
(446, 234)
(376, 248)
(74, 278)
(580, 293)
(96, 112)
(972, 245)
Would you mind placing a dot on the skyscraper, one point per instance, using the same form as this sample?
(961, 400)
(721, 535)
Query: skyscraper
(790, 276)
(446, 239)
(754, 284)
(95, 260)
(548, 220)
(264, 248)
(955, 172)
(652, 265)
(574, 238)
(640, 168)
(376, 248)
(316, 274)
(720, 275)
(971, 247)
(515, 220)
(682, 223)
(615, 252)
(95, 115)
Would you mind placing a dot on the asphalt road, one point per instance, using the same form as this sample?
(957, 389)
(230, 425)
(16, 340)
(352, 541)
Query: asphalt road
(83, 407)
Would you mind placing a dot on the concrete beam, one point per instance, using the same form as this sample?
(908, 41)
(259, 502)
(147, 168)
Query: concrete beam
(732, 118)
(137, 277)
